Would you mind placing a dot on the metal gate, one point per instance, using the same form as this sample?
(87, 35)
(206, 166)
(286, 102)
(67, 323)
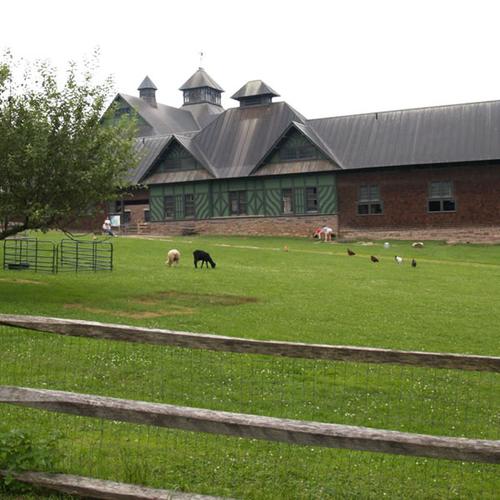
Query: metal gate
(30, 254)
(46, 256)
(82, 255)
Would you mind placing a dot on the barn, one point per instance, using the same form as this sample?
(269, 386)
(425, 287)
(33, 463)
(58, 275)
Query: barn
(261, 167)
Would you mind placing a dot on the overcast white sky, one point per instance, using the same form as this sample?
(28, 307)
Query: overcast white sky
(324, 57)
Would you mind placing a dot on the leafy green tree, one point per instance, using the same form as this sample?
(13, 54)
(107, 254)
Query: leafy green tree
(59, 160)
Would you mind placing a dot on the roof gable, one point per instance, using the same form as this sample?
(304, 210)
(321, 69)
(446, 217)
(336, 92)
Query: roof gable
(298, 144)
(236, 141)
(147, 149)
(294, 146)
(163, 119)
(177, 156)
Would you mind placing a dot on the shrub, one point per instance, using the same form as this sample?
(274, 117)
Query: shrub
(21, 451)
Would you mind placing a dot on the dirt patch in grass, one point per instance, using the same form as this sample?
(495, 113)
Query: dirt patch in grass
(22, 281)
(195, 298)
(172, 311)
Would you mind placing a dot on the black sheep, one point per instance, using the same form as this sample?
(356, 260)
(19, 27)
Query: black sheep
(204, 257)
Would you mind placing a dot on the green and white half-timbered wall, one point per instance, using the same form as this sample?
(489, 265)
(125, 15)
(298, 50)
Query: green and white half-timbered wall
(286, 195)
(283, 186)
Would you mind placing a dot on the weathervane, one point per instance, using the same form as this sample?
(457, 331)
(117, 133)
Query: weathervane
(201, 58)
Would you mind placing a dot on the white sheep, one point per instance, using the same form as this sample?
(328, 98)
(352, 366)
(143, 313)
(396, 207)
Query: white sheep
(173, 257)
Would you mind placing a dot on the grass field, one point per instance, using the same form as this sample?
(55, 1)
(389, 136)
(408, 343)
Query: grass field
(313, 292)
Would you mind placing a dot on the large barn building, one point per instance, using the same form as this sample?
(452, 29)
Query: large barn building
(263, 168)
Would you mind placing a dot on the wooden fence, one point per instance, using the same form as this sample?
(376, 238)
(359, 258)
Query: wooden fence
(295, 432)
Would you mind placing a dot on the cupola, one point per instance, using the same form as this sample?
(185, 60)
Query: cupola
(147, 91)
(255, 93)
(201, 88)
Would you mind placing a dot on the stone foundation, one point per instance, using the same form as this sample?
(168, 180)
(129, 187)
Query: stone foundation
(247, 226)
(487, 234)
(303, 226)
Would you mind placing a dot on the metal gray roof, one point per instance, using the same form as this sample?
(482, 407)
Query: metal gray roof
(148, 149)
(147, 84)
(151, 152)
(203, 112)
(164, 119)
(237, 140)
(312, 135)
(254, 88)
(197, 152)
(441, 134)
(201, 79)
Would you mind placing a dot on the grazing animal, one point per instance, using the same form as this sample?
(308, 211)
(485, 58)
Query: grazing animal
(173, 257)
(398, 259)
(413, 263)
(350, 252)
(285, 249)
(373, 258)
(204, 257)
(417, 244)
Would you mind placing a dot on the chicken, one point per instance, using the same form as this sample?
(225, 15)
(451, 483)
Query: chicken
(350, 252)
(373, 258)
(398, 259)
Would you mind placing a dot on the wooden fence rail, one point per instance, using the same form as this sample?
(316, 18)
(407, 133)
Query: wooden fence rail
(97, 488)
(295, 432)
(95, 329)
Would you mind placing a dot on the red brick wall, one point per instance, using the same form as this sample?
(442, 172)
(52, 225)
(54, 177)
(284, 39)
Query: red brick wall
(136, 212)
(274, 226)
(135, 202)
(404, 193)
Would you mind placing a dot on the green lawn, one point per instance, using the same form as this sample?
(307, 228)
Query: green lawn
(313, 292)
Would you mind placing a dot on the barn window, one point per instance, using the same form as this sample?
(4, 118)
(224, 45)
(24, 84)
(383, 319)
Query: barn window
(237, 202)
(369, 202)
(255, 100)
(126, 217)
(189, 209)
(311, 199)
(178, 158)
(147, 215)
(121, 112)
(296, 147)
(169, 207)
(287, 201)
(441, 197)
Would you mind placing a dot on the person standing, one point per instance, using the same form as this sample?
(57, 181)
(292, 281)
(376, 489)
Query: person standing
(106, 228)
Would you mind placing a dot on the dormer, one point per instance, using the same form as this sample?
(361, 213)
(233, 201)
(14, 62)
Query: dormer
(147, 91)
(201, 88)
(255, 93)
